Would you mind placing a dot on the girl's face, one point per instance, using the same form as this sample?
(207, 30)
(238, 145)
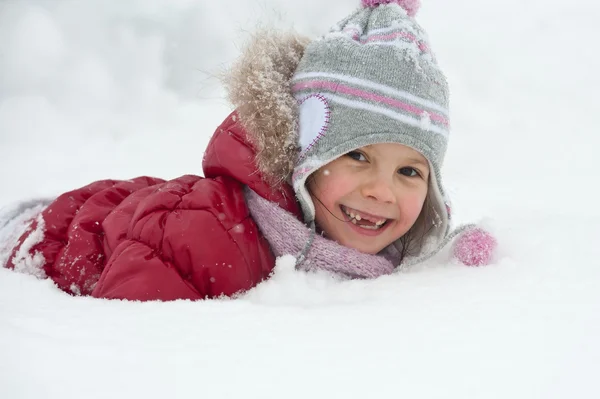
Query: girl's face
(370, 197)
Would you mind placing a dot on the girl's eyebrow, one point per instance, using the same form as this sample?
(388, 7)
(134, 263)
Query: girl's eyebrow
(417, 161)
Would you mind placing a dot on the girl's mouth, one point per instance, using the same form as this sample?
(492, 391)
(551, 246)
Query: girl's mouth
(364, 220)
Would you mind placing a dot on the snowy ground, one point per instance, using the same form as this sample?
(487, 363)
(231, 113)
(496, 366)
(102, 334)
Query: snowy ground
(92, 89)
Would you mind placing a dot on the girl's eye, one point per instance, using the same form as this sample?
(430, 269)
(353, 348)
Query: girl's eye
(357, 156)
(408, 172)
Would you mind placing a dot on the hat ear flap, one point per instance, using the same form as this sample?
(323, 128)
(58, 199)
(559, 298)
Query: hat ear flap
(314, 115)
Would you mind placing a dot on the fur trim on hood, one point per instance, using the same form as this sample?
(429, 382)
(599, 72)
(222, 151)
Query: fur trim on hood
(258, 85)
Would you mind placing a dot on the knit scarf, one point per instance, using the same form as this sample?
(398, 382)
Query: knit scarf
(289, 236)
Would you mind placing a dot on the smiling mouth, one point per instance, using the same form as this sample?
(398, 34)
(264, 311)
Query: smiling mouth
(363, 220)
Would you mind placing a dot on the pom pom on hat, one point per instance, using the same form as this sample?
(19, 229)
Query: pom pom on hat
(475, 247)
(411, 6)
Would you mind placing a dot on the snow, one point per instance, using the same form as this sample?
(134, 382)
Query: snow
(93, 89)
(425, 121)
(14, 221)
(24, 262)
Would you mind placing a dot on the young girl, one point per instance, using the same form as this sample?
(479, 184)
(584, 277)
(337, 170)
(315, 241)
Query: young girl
(332, 155)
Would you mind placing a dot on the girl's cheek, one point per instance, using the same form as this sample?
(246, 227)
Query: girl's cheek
(412, 205)
(329, 186)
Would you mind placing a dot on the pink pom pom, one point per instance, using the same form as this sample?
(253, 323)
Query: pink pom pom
(475, 247)
(411, 6)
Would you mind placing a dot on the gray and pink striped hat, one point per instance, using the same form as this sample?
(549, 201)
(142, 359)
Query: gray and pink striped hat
(372, 79)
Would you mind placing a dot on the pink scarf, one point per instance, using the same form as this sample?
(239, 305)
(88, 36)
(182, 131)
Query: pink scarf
(289, 236)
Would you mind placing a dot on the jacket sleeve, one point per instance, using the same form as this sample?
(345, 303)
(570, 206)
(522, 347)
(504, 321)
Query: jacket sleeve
(65, 240)
(192, 238)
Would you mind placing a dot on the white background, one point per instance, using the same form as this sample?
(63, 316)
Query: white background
(103, 89)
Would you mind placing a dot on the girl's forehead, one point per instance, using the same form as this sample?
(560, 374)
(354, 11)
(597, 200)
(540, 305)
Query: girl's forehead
(395, 151)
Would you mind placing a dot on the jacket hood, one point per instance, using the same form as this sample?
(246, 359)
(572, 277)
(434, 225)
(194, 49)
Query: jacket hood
(258, 85)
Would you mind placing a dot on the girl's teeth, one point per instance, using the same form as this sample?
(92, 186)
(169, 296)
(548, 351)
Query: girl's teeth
(356, 217)
(370, 227)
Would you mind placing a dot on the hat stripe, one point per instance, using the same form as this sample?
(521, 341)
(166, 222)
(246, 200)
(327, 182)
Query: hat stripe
(392, 29)
(356, 30)
(361, 94)
(418, 123)
(375, 86)
(387, 35)
(380, 39)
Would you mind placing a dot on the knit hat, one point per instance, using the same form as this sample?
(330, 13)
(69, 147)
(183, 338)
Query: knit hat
(372, 79)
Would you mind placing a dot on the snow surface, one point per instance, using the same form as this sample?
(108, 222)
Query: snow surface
(95, 89)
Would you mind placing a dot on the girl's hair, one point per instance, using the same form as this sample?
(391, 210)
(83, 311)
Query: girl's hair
(411, 243)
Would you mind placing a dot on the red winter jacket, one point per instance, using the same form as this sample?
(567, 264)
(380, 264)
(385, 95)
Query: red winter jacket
(147, 239)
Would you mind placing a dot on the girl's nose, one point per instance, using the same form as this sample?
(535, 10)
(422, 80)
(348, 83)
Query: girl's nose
(378, 188)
